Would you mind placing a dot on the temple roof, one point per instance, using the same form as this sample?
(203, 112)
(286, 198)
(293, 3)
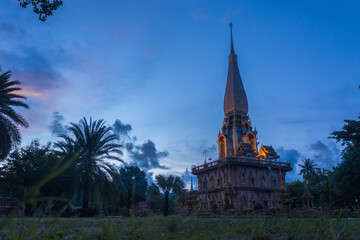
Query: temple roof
(235, 99)
(269, 150)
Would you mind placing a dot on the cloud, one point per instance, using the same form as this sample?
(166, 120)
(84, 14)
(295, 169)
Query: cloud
(294, 156)
(200, 14)
(146, 156)
(210, 152)
(325, 155)
(230, 13)
(9, 30)
(56, 126)
(35, 69)
(121, 128)
(186, 177)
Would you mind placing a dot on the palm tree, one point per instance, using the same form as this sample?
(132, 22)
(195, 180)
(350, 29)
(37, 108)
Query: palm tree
(307, 167)
(95, 144)
(9, 119)
(169, 184)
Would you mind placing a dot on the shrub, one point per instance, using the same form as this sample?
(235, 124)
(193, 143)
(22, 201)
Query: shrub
(258, 206)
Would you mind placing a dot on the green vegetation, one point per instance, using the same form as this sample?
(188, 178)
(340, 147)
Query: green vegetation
(9, 118)
(169, 184)
(181, 228)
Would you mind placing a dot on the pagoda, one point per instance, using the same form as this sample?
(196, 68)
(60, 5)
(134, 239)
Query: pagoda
(244, 173)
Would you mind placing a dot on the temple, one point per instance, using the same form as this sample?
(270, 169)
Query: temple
(244, 173)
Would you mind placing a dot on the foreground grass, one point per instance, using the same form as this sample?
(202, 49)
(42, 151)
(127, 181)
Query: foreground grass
(179, 228)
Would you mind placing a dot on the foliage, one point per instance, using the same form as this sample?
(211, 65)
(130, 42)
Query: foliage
(95, 144)
(307, 167)
(169, 184)
(258, 206)
(9, 118)
(182, 228)
(346, 176)
(349, 136)
(43, 8)
(296, 190)
(346, 180)
(134, 184)
(26, 168)
(154, 198)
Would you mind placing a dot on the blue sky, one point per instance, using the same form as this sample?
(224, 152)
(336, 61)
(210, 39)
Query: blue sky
(161, 67)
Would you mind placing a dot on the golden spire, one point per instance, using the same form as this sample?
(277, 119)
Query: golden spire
(235, 100)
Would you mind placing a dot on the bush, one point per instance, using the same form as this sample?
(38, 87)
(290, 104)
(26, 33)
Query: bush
(258, 206)
(90, 212)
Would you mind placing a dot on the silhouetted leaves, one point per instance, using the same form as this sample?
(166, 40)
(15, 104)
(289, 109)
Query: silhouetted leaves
(43, 8)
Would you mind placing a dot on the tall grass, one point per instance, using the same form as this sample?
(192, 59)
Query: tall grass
(157, 227)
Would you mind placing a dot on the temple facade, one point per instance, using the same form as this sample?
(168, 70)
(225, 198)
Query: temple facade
(244, 172)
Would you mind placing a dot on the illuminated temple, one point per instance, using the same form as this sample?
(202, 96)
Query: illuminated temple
(244, 172)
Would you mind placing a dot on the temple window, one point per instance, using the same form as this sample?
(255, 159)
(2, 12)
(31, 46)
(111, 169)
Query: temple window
(219, 181)
(274, 183)
(205, 183)
(212, 181)
(243, 202)
(252, 181)
(242, 179)
(263, 181)
(226, 179)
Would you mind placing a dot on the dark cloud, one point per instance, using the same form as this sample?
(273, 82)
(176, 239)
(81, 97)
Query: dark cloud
(35, 68)
(146, 156)
(294, 156)
(325, 155)
(56, 126)
(186, 176)
(8, 30)
(210, 152)
(121, 128)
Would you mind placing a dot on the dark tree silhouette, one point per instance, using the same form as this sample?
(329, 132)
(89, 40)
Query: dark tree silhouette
(95, 144)
(307, 167)
(43, 8)
(169, 184)
(134, 182)
(9, 118)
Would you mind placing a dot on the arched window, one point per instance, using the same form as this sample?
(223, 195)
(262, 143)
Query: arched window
(212, 182)
(242, 179)
(244, 202)
(263, 181)
(205, 183)
(252, 181)
(226, 179)
(219, 182)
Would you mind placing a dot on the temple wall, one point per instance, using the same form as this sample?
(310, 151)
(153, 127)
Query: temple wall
(258, 183)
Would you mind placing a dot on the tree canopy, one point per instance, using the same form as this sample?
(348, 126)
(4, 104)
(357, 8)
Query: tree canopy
(43, 8)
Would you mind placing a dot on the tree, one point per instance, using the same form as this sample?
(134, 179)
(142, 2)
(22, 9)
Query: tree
(296, 190)
(134, 182)
(9, 118)
(307, 167)
(43, 8)
(346, 175)
(349, 136)
(155, 198)
(169, 184)
(95, 144)
(25, 167)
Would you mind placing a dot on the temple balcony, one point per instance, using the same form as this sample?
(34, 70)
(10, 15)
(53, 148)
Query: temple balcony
(242, 160)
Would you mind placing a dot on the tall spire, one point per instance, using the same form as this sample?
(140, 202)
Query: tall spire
(235, 100)
(232, 44)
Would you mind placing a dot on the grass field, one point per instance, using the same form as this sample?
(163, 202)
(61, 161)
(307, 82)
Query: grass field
(157, 227)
